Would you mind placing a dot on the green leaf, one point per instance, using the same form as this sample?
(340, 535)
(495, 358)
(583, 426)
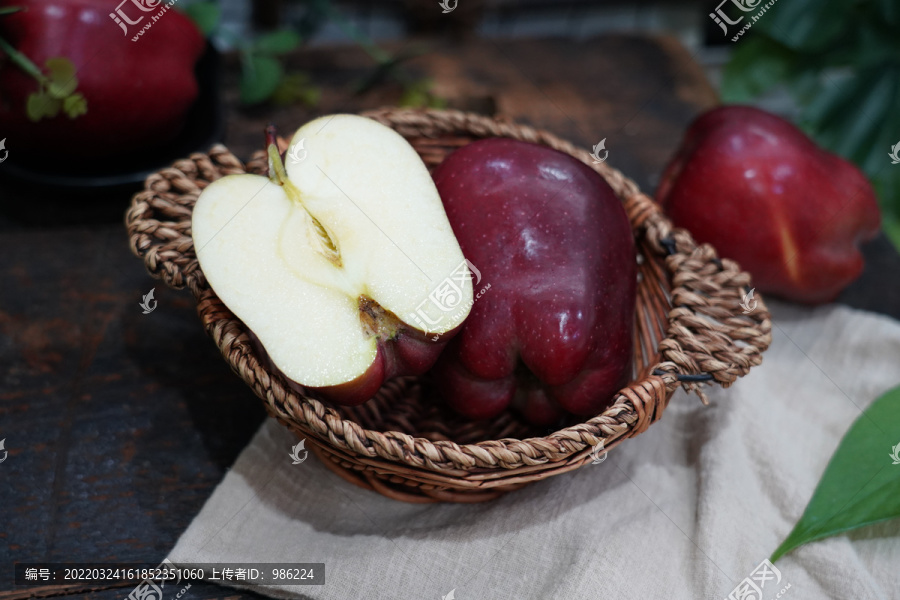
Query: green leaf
(808, 25)
(419, 95)
(888, 11)
(856, 117)
(8, 10)
(391, 68)
(437, 102)
(205, 15)
(861, 484)
(259, 79)
(295, 88)
(413, 98)
(75, 105)
(891, 228)
(874, 44)
(804, 85)
(277, 42)
(40, 105)
(61, 77)
(756, 66)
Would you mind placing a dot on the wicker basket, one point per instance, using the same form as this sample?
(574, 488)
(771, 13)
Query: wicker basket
(689, 331)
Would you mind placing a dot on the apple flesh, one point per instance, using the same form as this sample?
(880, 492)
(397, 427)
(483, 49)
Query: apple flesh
(325, 260)
(760, 191)
(553, 333)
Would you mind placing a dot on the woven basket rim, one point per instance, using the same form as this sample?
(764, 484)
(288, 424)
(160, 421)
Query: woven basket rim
(739, 339)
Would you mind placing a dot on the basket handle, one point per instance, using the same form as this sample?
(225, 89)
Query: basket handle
(711, 336)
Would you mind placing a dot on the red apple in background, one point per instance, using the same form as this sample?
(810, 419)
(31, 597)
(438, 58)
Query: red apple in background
(553, 332)
(137, 92)
(760, 191)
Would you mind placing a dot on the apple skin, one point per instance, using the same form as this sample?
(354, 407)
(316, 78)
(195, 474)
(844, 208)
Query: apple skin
(138, 93)
(411, 352)
(553, 333)
(762, 193)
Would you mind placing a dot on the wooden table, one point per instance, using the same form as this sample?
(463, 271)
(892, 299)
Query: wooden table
(120, 424)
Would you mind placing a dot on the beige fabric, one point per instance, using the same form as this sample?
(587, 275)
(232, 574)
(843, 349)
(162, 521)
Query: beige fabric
(686, 510)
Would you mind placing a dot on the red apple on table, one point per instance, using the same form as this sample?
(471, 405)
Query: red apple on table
(762, 193)
(137, 93)
(553, 332)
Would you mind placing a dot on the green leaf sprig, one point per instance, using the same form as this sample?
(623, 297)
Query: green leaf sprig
(420, 95)
(57, 87)
(262, 74)
(57, 92)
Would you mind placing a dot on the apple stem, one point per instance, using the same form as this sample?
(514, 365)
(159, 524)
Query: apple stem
(276, 164)
(275, 161)
(278, 176)
(23, 62)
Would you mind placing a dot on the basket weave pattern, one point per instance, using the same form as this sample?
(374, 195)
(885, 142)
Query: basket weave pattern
(689, 330)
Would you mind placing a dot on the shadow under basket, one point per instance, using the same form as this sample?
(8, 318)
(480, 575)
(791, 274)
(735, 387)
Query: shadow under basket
(405, 443)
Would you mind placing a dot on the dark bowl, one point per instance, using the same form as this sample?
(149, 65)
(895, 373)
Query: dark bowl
(204, 126)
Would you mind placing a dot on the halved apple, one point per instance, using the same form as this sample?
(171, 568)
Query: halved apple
(343, 265)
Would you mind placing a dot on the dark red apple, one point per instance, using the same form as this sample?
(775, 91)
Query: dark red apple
(138, 88)
(760, 191)
(553, 332)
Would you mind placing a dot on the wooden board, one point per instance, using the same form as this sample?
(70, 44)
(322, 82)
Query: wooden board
(637, 92)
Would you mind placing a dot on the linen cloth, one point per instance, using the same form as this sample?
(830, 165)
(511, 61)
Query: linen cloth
(686, 510)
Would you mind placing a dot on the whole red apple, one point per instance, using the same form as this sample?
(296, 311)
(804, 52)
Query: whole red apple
(137, 92)
(553, 331)
(760, 191)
